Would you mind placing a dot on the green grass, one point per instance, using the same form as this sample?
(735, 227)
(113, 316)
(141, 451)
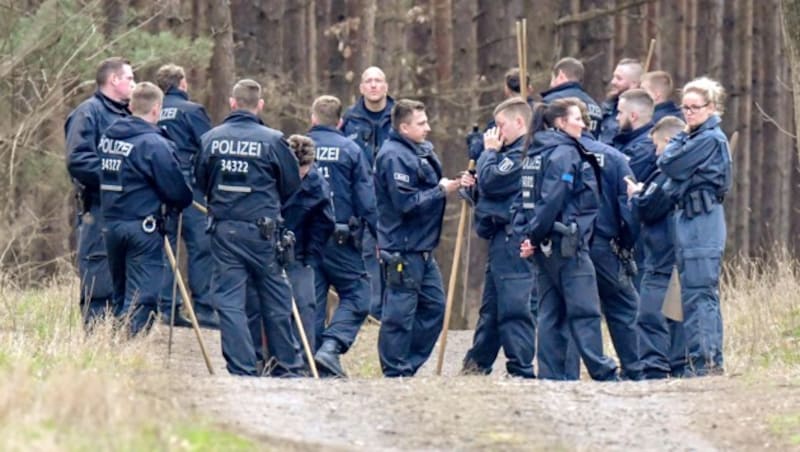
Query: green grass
(787, 427)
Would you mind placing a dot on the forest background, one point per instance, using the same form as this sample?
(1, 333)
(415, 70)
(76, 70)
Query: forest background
(451, 54)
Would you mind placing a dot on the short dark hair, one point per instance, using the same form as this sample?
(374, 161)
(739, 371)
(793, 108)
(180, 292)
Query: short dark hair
(107, 67)
(327, 110)
(246, 93)
(571, 67)
(515, 106)
(403, 110)
(169, 76)
(512, 80)
(144, 97)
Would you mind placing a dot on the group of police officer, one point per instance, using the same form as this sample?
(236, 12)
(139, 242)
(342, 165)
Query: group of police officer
(357, 205)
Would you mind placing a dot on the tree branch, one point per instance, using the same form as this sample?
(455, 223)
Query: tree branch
(595, 13)
(772, 121)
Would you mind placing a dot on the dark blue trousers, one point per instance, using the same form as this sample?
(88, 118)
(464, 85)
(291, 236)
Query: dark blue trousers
(242, 259)
(655, 333)
(699, 244)
(569, 307)
(136, 260)
(619, 303)
(505, 319)
(413, 312)
(373, 269)
(97, 289)
(343, 268)
(198, 247)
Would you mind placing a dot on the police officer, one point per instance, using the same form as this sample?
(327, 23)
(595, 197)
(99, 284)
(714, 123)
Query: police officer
(626, 76)
(308, 214)
(184, 123)
(697, 163)
(411, 200)
(84, 126)
(658, 85)
(556, 212)
(635, 119)
(368, 123)
(247, 172)
(611, 251)
(511, 88)
(662, 339)
(343, 164)
(505, 315)
(139, 173)
(565, 81)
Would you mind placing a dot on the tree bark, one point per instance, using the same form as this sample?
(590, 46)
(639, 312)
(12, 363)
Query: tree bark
(223, 66)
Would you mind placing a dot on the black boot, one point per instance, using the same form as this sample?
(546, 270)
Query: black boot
(327, 357)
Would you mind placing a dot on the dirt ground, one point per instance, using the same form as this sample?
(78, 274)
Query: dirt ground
(366, 412)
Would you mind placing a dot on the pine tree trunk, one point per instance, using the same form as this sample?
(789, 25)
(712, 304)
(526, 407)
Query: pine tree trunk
(223, 66)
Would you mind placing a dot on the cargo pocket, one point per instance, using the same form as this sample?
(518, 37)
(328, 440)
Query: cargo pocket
(514, 296)
(701, 267)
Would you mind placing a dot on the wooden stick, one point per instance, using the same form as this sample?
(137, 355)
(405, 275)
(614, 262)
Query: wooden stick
(304, 339)
(200, 207)
(650, 52)
(451, 287)
(523, 87)
(174, 305)
(520, 57)
(188, 300)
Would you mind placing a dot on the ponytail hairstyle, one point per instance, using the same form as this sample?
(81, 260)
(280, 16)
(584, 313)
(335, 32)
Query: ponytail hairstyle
(710, 89)
(545, 115)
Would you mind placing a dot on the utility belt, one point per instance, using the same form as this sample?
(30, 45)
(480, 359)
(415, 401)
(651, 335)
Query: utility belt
(698, 202)
(271, 230)
(394, 265)
(351, 232)
(626, 258)
(568, 236)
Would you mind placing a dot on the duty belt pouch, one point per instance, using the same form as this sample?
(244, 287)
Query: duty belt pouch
(356, 232)
(393, 267)
(266, 226)
(708, 202)
(285, 248)
(570, 239)
(341, 234)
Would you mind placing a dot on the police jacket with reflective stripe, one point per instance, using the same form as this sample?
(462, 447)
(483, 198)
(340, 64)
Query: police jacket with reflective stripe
(410, 201)
(558, 184)
(246, 170)
(139, 171)
(83, 129)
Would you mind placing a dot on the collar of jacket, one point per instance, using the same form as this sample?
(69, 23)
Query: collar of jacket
(173, 91)
(243, 116)
(421, 149)
(120, 108)
(322, 128)
(360, 109)
(667, 106)
(710, 123)
(562, 87)
(610, 105)
(624, 138)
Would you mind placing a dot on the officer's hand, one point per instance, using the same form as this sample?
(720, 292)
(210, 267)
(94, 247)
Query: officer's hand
(449, 185)
(492, 139)
(633, 187)
(467, 179)
(526, 249)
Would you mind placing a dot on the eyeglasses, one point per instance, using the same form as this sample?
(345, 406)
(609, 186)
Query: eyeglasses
(694, 108)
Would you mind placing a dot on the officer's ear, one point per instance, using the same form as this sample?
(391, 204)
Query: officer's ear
(232, 103)
(260, 104)
(339, 124)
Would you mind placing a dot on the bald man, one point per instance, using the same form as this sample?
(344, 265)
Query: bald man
(627, 75)
(368, 123)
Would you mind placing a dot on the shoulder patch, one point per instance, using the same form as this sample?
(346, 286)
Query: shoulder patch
(505, 165)
(402, 177)
(567, 177)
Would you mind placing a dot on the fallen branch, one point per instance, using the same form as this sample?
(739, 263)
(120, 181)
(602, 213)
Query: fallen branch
(772, 120)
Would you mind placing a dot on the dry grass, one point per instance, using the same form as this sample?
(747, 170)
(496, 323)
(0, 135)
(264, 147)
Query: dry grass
(761, 314)
(63, 390)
